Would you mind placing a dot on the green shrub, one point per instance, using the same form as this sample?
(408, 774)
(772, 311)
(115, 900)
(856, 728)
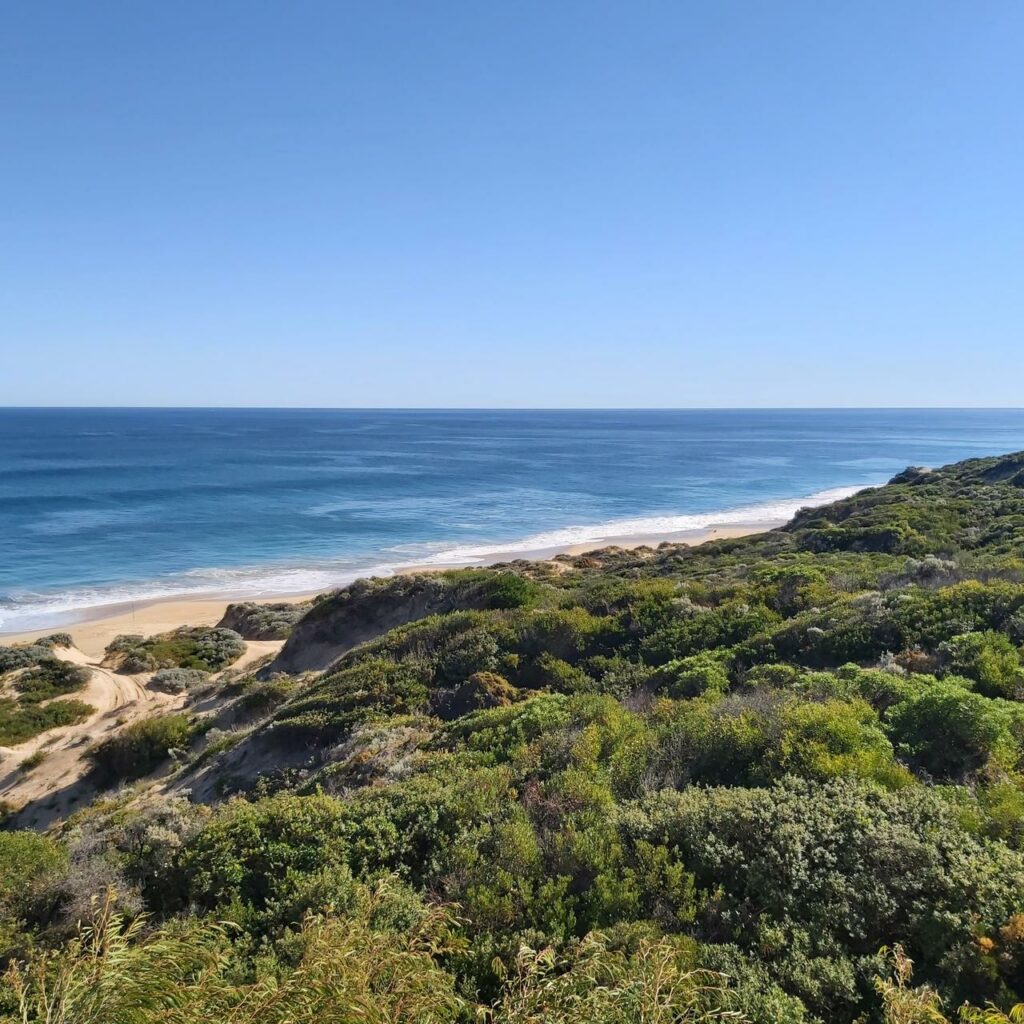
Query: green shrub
(139, 748)
(950, 732)
(510, 590)
(194, 647)
(263, 696)
(480, 690)
(990, 659)
(20, 721)
(693, 676)
(177, 680)
(815, 879)
(759, 737)
(49, 678)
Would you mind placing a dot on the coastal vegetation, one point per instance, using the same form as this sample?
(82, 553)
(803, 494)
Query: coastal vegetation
(253, 621)
(31, 680)
(177, 680)
(190, 647)
(140, 747)
(774, 779)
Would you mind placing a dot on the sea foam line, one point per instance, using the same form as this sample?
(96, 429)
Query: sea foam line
(28, 610)
(763, 514)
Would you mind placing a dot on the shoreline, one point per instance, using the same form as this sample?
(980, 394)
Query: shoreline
(694, 537)
(94, 628)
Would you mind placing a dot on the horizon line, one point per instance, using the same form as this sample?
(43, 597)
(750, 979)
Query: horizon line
(515, 408)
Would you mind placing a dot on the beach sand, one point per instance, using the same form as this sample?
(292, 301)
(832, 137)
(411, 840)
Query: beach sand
(91, 635)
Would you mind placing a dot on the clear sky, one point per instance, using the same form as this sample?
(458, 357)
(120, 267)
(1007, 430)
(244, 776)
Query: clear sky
(535, 203)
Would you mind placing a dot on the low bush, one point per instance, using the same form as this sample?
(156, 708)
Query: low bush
(510, 590)
(32, 761)
(20, 721)
(480, 690)
(254, 621)
(988, 658)
(56, 640)
(264, 696)
(208, 650)
(48, 678)
(12, 658)
(177, 680)
(139, 748)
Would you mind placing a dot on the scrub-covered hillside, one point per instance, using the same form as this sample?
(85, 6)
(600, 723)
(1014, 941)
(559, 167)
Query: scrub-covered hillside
(751, 780)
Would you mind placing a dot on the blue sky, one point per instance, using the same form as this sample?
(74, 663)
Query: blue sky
(496, 204)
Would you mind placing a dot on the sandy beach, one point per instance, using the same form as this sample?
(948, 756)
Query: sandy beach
(92, 634)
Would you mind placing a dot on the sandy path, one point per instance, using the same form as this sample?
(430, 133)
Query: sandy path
(57, 786)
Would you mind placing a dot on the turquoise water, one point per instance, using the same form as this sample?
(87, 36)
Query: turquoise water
(99, 507)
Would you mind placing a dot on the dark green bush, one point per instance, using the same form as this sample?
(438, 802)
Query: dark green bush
(509, 590)
(139, 748)
(990, 659)
(950, 732)
(20, 721)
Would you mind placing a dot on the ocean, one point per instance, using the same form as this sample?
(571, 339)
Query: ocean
(100, 507)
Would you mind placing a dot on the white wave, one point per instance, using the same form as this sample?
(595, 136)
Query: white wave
(764, 514)
(27, 610)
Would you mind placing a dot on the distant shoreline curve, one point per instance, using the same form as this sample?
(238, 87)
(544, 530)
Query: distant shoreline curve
(93, 628)
(276, 583)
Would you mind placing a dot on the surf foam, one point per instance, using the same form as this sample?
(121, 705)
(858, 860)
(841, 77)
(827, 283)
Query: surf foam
(25, 610)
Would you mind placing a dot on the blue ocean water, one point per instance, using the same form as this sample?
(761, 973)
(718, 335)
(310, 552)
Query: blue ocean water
(102, 506)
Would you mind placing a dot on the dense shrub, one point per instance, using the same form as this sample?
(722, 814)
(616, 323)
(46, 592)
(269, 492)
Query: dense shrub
(367, 691)
(989, 658)
(949, 731)
(20, 721)
(767, 756)
(759, 737)
(139, 748)
(22, 656)
(510, 590)
(177, 680)
(693, 676)
(817, 879)
(254, 621)
(207, 650)
(480, 690)
(48, 678)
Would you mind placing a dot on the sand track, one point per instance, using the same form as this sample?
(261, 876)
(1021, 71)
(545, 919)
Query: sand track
(57, 786)
(60, 784)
